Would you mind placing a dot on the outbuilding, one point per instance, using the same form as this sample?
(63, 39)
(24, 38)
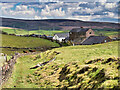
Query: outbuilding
(60, 36)
(96, 40)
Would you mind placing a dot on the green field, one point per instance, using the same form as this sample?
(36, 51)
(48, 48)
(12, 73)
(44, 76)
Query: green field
(15, 31)
(70, 68)
(24, 42)
(111, 33)
(108, 33)
(41, 32)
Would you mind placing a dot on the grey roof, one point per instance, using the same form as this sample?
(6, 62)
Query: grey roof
(80, 30)
(62, 35)
(94, 40)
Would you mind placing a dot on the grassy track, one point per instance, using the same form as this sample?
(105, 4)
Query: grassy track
(73, 58)
(20, 72)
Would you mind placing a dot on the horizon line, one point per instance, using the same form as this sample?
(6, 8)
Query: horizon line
(58, 19)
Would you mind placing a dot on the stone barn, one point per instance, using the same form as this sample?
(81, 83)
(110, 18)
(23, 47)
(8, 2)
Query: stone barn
(77, 35)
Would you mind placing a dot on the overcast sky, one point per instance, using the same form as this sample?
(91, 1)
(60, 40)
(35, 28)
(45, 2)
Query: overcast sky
(89, 10)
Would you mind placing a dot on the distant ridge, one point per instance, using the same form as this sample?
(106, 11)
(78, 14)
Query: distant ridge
(54, 24)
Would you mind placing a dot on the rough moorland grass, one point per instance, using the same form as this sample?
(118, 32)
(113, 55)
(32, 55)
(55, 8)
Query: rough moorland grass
(26, 42)
(70, 68)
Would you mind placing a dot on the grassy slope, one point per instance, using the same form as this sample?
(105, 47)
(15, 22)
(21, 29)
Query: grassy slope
(87, 52)
(25, 42)
(66, 70)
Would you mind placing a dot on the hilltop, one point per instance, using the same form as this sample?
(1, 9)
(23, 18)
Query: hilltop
(54, 24)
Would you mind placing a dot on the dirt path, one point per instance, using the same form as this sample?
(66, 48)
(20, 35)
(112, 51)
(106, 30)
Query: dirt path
(5, 74)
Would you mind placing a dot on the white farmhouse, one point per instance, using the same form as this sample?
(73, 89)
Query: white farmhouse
(60, 36)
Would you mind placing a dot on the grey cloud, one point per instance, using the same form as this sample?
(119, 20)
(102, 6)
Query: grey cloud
(18, 0)
(72, 10)
(57, 0)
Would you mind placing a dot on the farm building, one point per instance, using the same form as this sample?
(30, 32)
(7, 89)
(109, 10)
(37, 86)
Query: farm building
(81, 36)
(60, 36)
(77, 35)
(95, 40)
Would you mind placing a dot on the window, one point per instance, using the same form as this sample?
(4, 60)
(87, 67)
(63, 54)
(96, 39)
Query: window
(90, 33)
